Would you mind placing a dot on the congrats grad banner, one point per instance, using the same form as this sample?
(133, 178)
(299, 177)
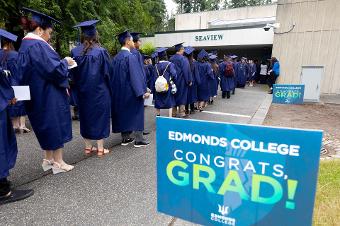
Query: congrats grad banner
(228, 174)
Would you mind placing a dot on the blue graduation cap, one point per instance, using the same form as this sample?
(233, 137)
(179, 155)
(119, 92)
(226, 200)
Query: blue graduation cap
(88, 27)
(154, 55)
(8, 35)
(202, 54)
(189, 50)
(178, 46)
(233, 56)
(135, 36)
(161, 51)
(41, 19)
(123, 36)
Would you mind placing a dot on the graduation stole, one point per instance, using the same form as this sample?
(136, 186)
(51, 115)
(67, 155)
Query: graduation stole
(32, 36)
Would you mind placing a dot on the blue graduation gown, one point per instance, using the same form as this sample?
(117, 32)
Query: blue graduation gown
(213, 84)
(165, 100)
(8, 143)
(9, 62)
(140, 61)
(128, 88)
(196, 80)
(47, 76)
(227, 83)
(92, 82)
(149, 75)
(206, 74)
(241, 74)
(184, 78)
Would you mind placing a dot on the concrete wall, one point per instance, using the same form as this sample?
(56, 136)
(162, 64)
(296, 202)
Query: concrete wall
(314, 41)
(193, 21)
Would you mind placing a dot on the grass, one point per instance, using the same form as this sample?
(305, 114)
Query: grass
(327, 204)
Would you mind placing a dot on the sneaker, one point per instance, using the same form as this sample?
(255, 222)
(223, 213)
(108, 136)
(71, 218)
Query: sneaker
(141, 144)
(127, 141)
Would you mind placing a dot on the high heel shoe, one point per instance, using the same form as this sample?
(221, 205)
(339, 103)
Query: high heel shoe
(47, 164)
(61, 167)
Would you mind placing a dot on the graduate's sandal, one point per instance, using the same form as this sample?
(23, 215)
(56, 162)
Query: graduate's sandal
(47, 164)
(102, 152)
(61, 168)
(15, 195)
(89, 151)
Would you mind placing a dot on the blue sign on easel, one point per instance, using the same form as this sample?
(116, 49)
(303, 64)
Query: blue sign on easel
(288, 94)
(214, 173)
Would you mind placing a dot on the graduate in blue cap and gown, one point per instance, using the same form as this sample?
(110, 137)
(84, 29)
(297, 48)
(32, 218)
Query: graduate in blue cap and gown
(227, 75)
(166, 99)
(8, 61)
(148, 69)
(206, 74)
(241, 72)
(192, 92)
(128, 93)
(184, 79)
(235, 65)
(213, 83)
(92, 81)
(137, 41)
(8, 144)
(41, 68)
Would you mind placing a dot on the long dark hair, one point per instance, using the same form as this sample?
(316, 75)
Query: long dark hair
(89, 42)
(214, 66)
(191, 60)
(30, 25)
(9, 47)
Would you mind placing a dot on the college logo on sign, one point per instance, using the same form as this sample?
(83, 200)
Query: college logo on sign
(224, 210)
(200, 38)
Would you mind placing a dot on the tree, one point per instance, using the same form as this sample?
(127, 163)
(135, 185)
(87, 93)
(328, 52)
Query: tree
(243, 3)
(146, 16)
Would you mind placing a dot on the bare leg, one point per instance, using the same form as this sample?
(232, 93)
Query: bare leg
(100, 144)
(88, 144)
(49, 155)
(174, 111)
(22, 120)
(170, 112)
(158, 112)
(58, 156)
(15, 122)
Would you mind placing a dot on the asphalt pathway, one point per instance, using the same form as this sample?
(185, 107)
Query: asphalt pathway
(119, 189)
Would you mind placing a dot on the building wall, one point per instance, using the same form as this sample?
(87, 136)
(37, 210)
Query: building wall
(194, 21)
(230, 37)
(315, 41)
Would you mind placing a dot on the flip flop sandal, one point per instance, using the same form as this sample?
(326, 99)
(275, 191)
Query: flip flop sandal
(16, 195)
(89, 151)
(101, 153)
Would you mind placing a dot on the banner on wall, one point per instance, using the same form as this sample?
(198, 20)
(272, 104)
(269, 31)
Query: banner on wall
(229, 174)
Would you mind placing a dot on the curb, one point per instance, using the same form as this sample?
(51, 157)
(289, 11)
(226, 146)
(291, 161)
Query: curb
(261, 113)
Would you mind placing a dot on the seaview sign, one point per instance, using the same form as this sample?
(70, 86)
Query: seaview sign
(288, 94)
(200, 38)
(228, 174)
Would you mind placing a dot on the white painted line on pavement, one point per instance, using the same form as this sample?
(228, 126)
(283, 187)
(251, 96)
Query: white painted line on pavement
(226, 114)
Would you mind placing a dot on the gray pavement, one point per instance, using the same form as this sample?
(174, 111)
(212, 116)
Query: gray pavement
(119, 189)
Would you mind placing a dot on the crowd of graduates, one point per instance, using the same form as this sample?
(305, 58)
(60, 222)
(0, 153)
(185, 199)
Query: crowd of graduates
(106, 91)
